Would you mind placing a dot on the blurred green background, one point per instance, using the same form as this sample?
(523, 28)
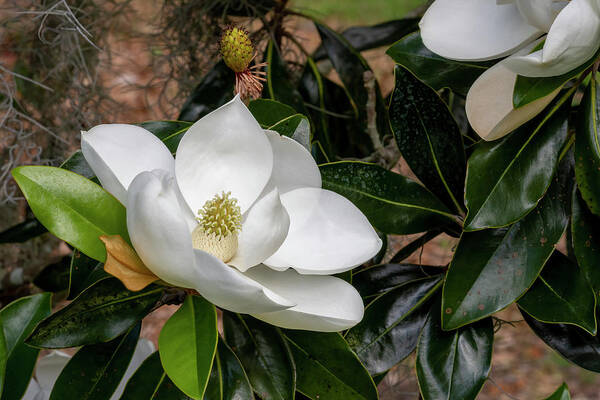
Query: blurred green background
(357, 12)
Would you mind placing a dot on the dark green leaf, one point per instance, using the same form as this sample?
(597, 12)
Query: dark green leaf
(231, 378)
(390, 329)
(264, 355)
(393, 203)
(585, 228)
(76, 163)
(494, 267)
(561, 294)
(428, 138)
(72, 208)
(528, 156)
(528, 89)
(17, 360)
(150, 382)
(368, 37)
(268, 112)
(278, 86)
(95, 371)
(572, 342)
(214, 90)
(54, 277)
(587, 148)
(84, 271)
(23, 231)
(351, 67)
(378, 279)
(311, 87)
(170, 132)
(187, 345)
(436, 71)
(413, 246)
(453, 365)
(327, 368)
(99, 314)
(562, 393)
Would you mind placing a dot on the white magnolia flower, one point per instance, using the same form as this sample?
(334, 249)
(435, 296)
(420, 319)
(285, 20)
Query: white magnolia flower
(49, 367)
(239, 215)
(479, 30)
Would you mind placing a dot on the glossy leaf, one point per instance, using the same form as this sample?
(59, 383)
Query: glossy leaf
(585, 230)
(99, 314)
(54, 277)
(228, 377)
(72, 208)
(528, 89)
(351, 66)
(493, 268)
(268, 112)
(413, 246)
(528, 156)
(187, 345)
(278, 86)
(76, 163)
(170, 132)
(436, 71)
(390, 329)
(84, 272)
(327, 368)
(561, 294)
(312, 89)
(453, 365)
(378, 279)
(428, 138)
(17, 360)
(368, 37)
(264, 355)
(150, 382)
(95, 370)
(572, 342)
(393, 203)
(562, 393)
(23, 231)
(587, 148)
(214, 90)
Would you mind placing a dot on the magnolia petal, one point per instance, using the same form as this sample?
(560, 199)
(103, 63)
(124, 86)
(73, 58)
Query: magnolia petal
(123, 263)
(224, 151)
(143, 349)
(475, 29)
(539, 13)
(327, 235)
(228, 288)
(572, 40)
(489, 104)
(324, 303)
(49, 367)
(264, 229)
(293, 165)
(158, 228)
(118, 152)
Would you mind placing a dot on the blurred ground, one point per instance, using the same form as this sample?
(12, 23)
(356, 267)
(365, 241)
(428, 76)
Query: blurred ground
(523, 367)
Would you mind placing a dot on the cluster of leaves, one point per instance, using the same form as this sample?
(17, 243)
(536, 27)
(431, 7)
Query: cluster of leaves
(509, 201)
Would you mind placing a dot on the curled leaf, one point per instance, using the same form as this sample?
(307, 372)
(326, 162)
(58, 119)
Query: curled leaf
(123, 263)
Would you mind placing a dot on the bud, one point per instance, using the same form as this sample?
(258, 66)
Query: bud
(237, 49)
(238, 52)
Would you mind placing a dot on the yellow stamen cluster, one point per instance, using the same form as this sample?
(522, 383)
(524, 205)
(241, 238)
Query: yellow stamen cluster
(237, 49)
(221, 216)
(219, 222)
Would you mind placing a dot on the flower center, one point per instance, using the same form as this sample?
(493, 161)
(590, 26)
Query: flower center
(219, 222)
(237, 49)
